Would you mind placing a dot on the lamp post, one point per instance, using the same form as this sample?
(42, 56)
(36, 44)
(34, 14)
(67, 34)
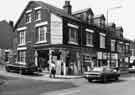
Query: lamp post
(108, 10)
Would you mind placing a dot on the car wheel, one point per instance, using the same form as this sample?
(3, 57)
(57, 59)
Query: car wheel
(116, 78)
(89, 80)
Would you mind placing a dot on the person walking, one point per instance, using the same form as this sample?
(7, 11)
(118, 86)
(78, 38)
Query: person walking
(53, 70)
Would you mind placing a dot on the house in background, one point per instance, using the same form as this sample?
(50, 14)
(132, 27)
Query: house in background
(6, 40)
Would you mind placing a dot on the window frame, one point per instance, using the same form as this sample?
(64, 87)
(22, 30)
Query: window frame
(28, 17)
(37, 15)
(22, 56)
(113, 42)
(102, 38)
(73, 40)
(22, 38)
(89, 43)
(38, 30)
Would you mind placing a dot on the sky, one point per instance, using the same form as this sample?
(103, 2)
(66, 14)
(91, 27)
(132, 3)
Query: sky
(119, 11)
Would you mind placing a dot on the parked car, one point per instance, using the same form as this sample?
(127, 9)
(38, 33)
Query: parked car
(131, 69)
(20, 68)
(102, 73)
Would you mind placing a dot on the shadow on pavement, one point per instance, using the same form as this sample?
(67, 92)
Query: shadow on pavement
(33, 74)
(109, 82)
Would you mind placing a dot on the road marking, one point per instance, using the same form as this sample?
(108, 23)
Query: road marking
(69, 92)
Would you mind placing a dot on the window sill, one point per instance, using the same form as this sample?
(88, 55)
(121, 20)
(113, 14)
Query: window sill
(21, 44)
(102, 47)
(28, 22)
(89, 45)
(21, 63)
(37, 20)
(39, 42)
(71, 42)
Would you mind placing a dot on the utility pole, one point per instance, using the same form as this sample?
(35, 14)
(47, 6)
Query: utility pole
(107, 15)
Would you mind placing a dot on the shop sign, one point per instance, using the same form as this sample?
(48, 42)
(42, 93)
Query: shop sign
(56, 29)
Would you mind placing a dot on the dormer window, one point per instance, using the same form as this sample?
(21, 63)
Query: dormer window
(28, 17)
(90, 19)
(37, 15)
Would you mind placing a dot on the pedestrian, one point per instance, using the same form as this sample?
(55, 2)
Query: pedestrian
(53, 70)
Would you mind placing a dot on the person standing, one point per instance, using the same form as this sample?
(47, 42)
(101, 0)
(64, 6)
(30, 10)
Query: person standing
(53, 69)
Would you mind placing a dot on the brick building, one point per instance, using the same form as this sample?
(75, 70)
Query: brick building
(76, 41)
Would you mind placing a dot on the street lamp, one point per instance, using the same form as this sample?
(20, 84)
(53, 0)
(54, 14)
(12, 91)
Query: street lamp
(109, 9)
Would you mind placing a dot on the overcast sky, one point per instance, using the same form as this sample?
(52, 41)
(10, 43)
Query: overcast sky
(124, 16)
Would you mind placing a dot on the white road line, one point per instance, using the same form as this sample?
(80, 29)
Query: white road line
(70, 92)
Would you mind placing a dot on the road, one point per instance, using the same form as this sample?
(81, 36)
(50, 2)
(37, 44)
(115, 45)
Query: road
(35, 86)
(125, 86)
(20, 86)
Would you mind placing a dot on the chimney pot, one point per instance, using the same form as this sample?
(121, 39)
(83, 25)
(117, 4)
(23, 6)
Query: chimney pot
(67, 7)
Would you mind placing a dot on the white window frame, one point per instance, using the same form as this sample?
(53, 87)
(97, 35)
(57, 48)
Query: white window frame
(30, 17)
(24, 57)
(102, 44)
(91, 33)
(73, 26)
(23, 42)
(39, 14)
(74, 40)
(113, 42)
(45, 32)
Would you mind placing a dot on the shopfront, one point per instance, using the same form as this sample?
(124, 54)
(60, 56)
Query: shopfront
(107, 59)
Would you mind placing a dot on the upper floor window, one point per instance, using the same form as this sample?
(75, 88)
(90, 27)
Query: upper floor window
(127, 48)
(102, 40)
(120, 47)
(37, 14)
(28, 17)
(73, 35)
(89, 37)
(41, 30)
(112, 45)
(22, 37)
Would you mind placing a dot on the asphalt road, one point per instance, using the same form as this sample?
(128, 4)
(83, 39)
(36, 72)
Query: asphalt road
(125, 86)
(20, 86)
(23, 86)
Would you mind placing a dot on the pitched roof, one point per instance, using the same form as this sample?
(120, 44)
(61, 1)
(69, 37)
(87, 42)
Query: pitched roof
(82, 11)
(51, 8)
(55, 10)
(100, 16)
(119, 28)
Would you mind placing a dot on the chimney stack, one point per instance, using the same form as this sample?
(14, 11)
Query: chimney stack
(67, 7)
